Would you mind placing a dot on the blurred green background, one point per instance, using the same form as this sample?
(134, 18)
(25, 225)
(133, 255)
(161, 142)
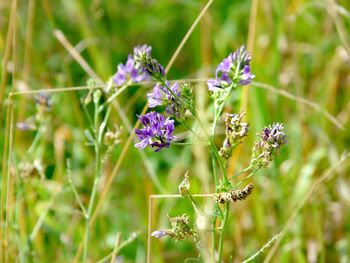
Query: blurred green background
(301, 47)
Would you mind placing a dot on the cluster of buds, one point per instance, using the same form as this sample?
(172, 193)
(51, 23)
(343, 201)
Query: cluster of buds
(234, 195)
(131, 71)
(235, 132)
(176, 98)
(180, 229)
(112, 138)
(184, 186)
(271, 140)
(235, 69)
(151, 66)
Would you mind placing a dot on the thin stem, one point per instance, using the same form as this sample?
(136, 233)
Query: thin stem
(116, 94)
(191, 143)
(246, 178)
(215, 172)
(214, 125)
(36, 140)
(191, 130)
(195, 204)
(215, 205)
(217, 156)
(70, 181)
(221, 239)
(97, 131)
(87, 115)
(116, 247)
(163, 82)
(241, 172)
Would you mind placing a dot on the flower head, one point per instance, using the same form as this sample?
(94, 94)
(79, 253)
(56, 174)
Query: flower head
(160, 233)
(113, 137)
(149, 65)
(167, 96)
(130, 70)
(181, 229)
(246, 76)
(156, 132)
(272, 138)
(161, 95)
(235, 131)
(235, 68)
(43, 101)
(142, 49)
(234, 195)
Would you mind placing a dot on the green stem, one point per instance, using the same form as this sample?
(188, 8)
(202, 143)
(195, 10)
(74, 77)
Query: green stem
(191, 143)
(241, 172)
(96, 182)
(36, 140)
(214, 124)
(172, 93)
(116, 94)
(75, 192)
(246, 178)
(191, 130)
(213, 245)
(221, 239)
(218, 158)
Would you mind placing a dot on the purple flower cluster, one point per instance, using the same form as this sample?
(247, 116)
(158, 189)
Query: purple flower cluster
(156, 132)
(272, 138)
(131, 70)
(234, 68)
(149, 65)
(274, 134)
(161, 96)
(142, 49)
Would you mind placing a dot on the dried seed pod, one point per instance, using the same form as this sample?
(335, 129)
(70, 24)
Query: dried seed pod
(235, 132)
(234, 195)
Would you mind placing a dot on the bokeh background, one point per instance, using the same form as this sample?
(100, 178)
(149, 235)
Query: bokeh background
(299, 47)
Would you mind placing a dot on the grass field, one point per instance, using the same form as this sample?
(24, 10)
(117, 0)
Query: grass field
(67, 195)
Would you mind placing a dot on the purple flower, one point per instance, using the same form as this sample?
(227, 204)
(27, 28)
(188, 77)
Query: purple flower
(151, 66)
(161, 96)
(26, 126)
(156, 97)
(213, 85)
(241, 56)
(156, 132)
(43, 101)
(160, 233)
(142, 49)
(274, 134)
(131, 70)
(246, 76)
(272, 138)
(223, 70)
(234, 68)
